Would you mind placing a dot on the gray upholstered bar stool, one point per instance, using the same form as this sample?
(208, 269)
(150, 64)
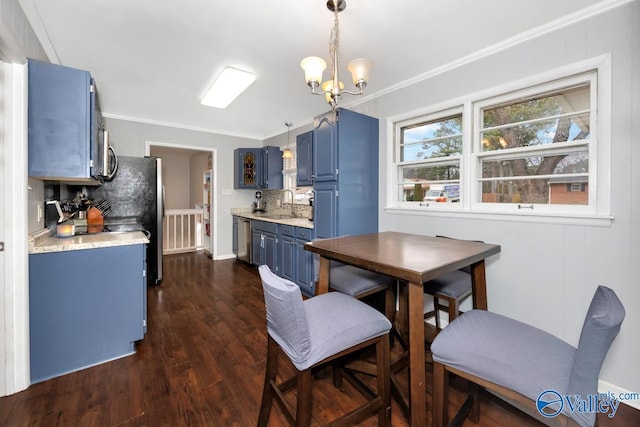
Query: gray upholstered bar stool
(360, 284)
(312, 333)
(453, 287)
(524, 365)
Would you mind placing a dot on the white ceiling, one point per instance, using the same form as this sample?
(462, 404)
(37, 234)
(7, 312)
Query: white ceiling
(153, 59)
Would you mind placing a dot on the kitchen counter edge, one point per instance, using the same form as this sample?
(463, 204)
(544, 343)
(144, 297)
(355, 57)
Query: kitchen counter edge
(296, 222)
(44, 242)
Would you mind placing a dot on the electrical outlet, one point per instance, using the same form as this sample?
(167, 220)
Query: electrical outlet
(39, 212)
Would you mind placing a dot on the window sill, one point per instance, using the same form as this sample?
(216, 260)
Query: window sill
(546, 218)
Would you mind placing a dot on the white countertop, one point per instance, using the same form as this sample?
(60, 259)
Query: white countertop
(296, 222)
(43, 242)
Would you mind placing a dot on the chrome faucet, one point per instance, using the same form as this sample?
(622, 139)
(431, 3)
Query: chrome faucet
(292, 199)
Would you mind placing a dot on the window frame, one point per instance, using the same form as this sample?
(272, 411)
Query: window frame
(441, 113)
(591, 145)
(291, 173)
(598, 211)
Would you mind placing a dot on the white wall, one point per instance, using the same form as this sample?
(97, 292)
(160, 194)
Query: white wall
(547, 273)
(198, 164)
(176, 172)
(129, 138)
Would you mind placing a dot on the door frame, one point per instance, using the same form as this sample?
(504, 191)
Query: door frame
(213, 244)
(14, 280)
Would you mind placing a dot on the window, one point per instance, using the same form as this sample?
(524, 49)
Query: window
(429, 153)
(302, 194)
(529, 148)
(530, 141)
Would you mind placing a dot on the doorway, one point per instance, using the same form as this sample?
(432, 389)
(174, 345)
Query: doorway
(189, 178)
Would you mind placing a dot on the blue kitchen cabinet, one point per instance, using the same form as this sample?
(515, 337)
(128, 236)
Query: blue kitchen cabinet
(296, 263)
(258, 168)
(85, 307)
(246, 168)
(325, 148)
(64, 120)
(271, 168)
(264, 244)
(325, 210)
(304, 159)
(234, 244)
(305, 267)
(345, 162)
(287, 252)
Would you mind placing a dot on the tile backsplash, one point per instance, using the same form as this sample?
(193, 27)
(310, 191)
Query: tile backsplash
(273, 199)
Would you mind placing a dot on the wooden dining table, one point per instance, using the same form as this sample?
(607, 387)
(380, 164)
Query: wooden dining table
(414, 260)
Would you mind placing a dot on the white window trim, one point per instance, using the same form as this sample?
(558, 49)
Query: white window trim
(291, 171)
(467, 208)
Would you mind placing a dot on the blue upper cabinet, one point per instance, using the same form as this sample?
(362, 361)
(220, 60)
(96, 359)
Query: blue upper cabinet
(64, 120)
(271, 168)
(246, 168)
(304, 159)
(325, 148)
(345, 159)
(257, 168)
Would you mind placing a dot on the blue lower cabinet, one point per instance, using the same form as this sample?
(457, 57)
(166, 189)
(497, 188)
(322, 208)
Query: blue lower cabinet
(85, 307)
(305, 267)
(287, 252)
(264, 244)
(295, 263)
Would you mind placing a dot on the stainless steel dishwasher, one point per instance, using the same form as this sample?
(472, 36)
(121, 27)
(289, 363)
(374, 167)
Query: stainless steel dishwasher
(244, 239)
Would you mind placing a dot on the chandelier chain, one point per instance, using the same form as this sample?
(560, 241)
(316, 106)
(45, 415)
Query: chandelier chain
(334, 39)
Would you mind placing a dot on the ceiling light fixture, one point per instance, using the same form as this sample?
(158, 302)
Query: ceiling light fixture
(313, 66)
(286, 153)
(231, 83)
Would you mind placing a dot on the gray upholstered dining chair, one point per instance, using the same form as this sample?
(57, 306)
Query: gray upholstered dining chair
(523, 364)
(312, 333)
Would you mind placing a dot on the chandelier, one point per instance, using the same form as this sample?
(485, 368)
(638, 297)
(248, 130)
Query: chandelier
(313, 66)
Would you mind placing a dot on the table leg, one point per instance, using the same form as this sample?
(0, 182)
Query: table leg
(479, 286)
(323, 276)
(417, 375)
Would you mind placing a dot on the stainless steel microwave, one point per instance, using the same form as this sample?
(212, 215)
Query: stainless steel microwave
(105, 164)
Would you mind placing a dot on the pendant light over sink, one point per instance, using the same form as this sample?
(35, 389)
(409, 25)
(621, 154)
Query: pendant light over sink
(313, 66)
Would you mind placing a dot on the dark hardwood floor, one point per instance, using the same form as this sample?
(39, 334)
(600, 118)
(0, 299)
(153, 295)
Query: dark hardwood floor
(201, 364)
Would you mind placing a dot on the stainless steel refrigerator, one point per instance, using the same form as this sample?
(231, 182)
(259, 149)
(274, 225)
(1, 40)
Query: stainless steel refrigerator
(136, 196)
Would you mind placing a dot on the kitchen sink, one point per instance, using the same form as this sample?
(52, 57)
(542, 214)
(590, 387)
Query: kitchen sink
(278, 216)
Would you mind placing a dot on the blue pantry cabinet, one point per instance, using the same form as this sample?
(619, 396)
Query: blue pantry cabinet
(345, 174)
(85, 307)
(64, 119)
(304, 159)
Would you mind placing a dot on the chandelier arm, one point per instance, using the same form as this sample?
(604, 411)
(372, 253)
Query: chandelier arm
(352, 93)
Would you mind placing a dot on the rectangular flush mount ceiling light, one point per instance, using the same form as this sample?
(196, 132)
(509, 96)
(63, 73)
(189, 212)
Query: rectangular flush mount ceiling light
(231, 83)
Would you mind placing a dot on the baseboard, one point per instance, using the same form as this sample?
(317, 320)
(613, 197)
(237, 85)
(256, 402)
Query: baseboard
(605, 387)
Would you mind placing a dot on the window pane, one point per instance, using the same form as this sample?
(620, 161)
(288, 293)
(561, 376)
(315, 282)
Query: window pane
(559, 164)
(427, 173)
(440, 138)
(539, 191)
(546, 119)
(568, 128)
